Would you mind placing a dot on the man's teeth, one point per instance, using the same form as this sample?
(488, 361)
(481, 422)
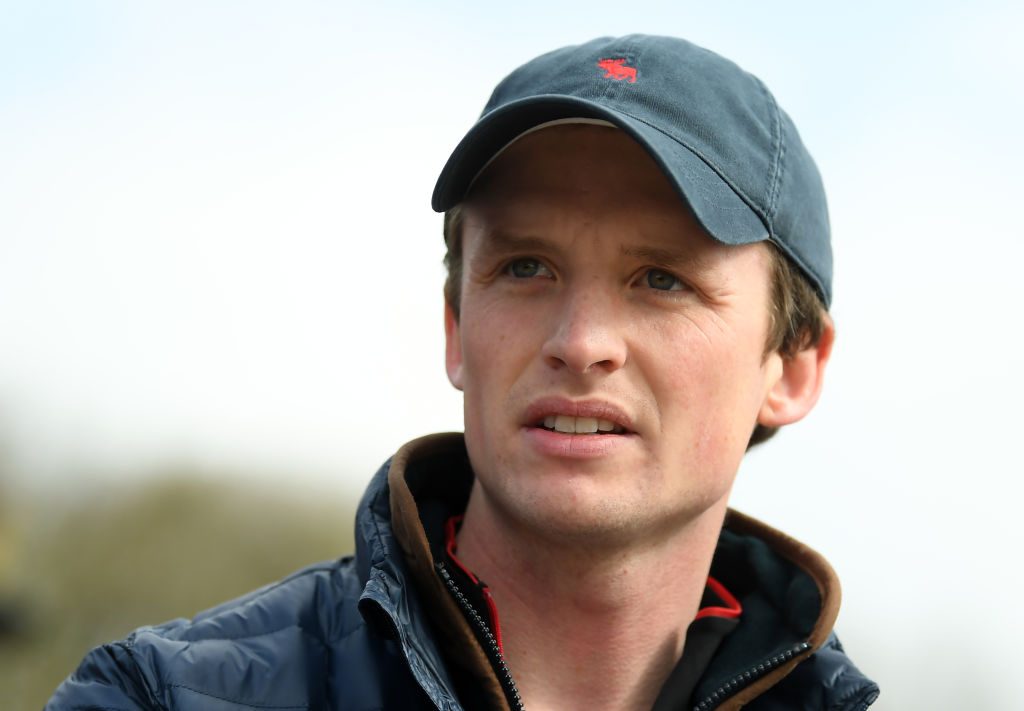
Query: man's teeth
(579, 425)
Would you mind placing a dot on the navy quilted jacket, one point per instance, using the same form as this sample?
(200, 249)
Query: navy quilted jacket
(352, 634)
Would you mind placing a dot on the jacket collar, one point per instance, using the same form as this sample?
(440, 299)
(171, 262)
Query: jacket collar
(790, 597)
(429, 479)
(388, 603)
(789, 593)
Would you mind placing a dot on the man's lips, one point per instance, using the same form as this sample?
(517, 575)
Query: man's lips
(566, 416)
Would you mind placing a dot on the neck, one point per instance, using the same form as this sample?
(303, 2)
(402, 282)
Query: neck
(596, 626)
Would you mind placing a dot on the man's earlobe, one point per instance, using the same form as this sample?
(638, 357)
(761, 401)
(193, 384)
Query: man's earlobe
(452, 347)
(797, 389)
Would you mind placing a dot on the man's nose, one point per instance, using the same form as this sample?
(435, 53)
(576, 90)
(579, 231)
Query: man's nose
(587, 337)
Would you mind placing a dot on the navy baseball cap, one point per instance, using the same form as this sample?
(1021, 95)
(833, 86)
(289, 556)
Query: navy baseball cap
(733, 155)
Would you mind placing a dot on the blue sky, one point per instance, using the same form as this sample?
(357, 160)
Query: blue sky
(216, 247)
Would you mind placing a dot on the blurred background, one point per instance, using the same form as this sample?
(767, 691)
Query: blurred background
(220, 302)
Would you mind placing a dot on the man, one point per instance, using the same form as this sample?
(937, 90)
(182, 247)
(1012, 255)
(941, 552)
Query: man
(639, 271)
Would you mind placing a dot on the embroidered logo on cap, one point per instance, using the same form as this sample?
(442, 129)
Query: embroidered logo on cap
(616, 69)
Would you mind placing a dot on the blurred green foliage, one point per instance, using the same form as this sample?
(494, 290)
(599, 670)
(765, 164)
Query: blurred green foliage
(81, 573)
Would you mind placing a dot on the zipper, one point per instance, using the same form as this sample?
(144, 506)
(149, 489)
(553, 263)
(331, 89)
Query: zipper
(491, 648)
(741, 680)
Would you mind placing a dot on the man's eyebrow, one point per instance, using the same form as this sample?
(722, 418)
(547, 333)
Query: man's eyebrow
(676, 258)
(498, 242)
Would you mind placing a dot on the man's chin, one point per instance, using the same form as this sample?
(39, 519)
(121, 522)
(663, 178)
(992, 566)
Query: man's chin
(575, 510)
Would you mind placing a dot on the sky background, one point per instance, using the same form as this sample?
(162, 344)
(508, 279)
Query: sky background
(217, 250)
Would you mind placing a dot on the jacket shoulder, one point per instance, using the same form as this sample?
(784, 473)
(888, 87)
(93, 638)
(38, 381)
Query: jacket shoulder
(262, 648)
(827, 680)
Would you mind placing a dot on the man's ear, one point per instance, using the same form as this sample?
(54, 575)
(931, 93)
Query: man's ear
(452, 346)
(796, 390)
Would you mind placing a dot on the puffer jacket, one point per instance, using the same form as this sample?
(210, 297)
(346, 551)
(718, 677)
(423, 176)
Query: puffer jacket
(354, 634)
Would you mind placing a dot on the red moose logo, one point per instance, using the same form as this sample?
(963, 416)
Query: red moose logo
(616, 69)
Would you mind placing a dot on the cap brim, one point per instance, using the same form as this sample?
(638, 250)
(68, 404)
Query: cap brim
(719, 208)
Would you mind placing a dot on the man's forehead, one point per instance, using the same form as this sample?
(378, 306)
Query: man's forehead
(572, 163)
(540, 127)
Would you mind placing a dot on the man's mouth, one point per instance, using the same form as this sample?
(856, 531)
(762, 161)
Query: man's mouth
(567, 424)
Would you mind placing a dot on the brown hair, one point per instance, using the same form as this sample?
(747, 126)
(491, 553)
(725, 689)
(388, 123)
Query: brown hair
(797, 314)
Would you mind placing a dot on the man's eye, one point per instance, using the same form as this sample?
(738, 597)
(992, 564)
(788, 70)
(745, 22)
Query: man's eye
(527, 269)
(662, 280)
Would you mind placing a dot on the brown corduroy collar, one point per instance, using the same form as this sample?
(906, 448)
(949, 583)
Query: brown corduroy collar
(824, 577)
(458, 643)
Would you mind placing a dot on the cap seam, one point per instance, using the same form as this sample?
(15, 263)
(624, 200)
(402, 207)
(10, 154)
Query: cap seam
(778, 149)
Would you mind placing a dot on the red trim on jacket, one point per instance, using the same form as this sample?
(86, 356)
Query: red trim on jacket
(731, 609)
(451, 545)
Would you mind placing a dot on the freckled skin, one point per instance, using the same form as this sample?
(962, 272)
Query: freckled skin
(686, 364)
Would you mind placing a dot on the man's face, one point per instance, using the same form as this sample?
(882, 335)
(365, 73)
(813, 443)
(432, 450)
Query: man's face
(591, 299)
